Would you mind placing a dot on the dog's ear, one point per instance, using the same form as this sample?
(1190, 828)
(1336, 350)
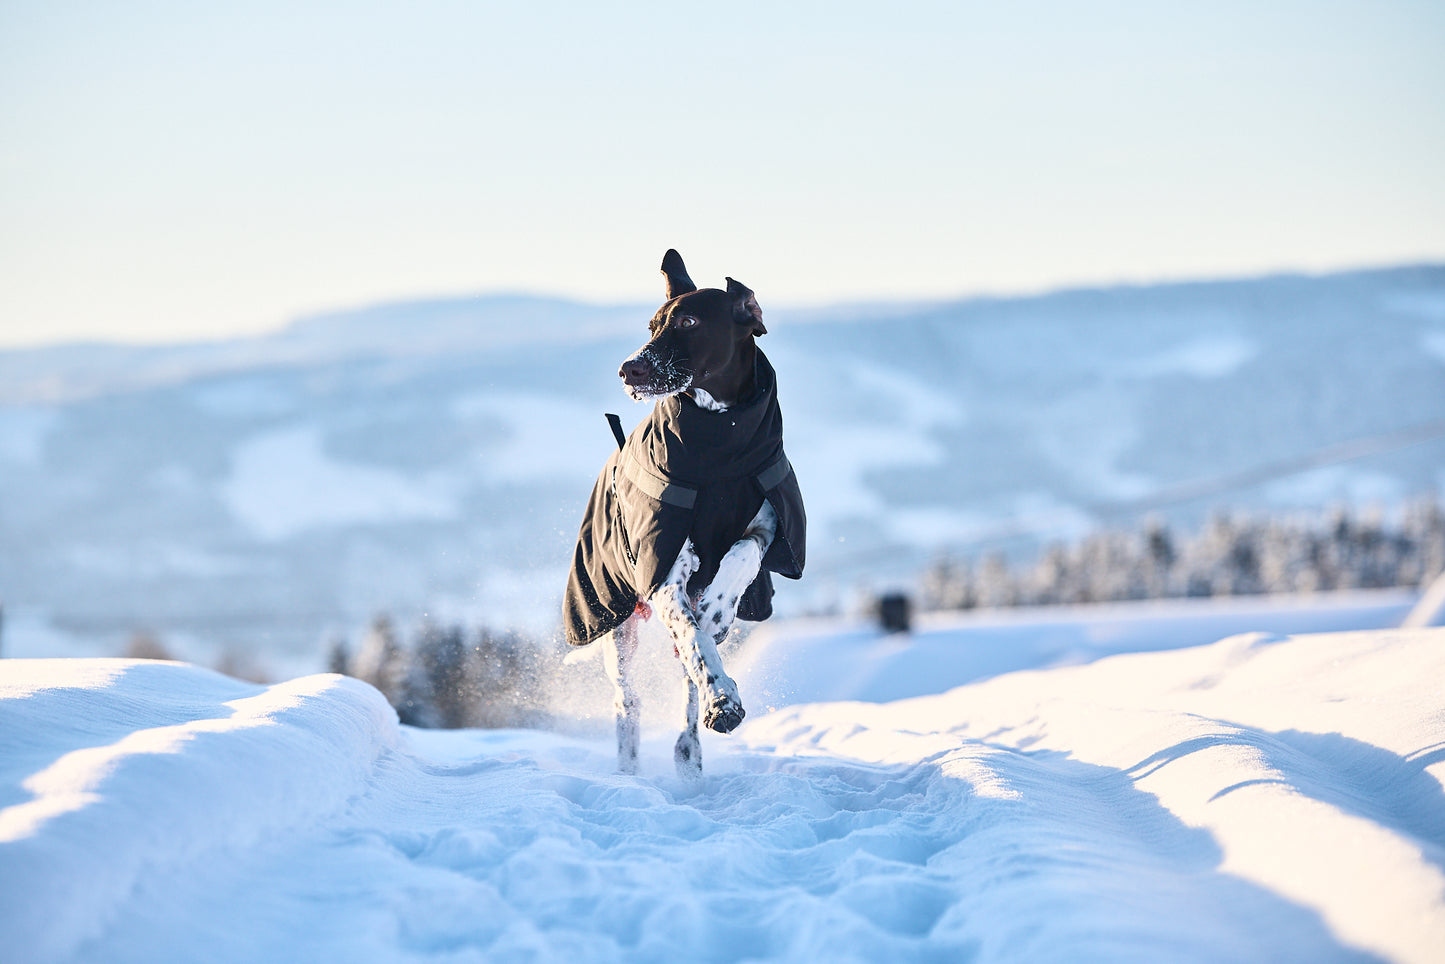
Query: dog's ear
(745, 307)
(678, 283)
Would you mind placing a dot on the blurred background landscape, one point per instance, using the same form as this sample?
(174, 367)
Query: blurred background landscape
(248, 502)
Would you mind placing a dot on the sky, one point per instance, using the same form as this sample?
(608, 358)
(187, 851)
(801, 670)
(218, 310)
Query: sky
(179, 170)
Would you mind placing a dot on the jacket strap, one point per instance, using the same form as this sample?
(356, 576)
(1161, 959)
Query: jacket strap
(656, 486)
(617, 433)
(774, 474)
(683, 496)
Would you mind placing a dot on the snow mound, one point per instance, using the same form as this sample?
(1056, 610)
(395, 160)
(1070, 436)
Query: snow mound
(113, 771)
(1262, 798)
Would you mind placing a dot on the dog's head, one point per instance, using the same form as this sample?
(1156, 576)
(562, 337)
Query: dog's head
(702, 341)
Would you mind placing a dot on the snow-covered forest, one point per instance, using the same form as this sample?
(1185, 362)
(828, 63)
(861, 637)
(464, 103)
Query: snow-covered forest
(1234, 554)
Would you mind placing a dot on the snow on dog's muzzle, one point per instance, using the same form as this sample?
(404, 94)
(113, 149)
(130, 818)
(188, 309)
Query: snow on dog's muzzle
(647, 375)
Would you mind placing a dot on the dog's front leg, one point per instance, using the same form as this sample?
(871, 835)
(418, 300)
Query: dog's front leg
(718, 606)
(722, 710)
(618, 649)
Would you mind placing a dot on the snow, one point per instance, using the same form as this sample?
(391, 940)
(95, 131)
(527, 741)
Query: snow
(1212, 356)
(544, 436)
(1312, 766)
(283, 482)
(1319, 486)
(1434, 342)
(1260, 798)
(806, 661)
(133, 768)
(22, 434)
(896, 428)
(242, 397)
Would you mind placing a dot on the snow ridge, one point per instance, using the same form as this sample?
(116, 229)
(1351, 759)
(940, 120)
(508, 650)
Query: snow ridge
(236, 764)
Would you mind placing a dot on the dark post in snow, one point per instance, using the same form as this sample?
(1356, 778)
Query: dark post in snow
(894, 612)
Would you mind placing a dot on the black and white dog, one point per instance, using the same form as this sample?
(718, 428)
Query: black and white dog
(695, 509)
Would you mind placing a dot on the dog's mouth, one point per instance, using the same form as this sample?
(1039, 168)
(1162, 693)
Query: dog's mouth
(648, 393)
(647, 376)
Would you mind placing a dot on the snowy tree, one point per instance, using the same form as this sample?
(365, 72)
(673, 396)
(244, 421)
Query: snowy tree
(144, 644)
(510, 672)
(1423, 527)
(996, 586)
(415, 701)
(450, 673)
(948, 584)
(1160, 557)
(338, 657)
(380, 661)
(452, 678)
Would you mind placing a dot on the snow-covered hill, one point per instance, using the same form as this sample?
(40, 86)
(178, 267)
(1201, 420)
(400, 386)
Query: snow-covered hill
(434, 457)
(1258, 799)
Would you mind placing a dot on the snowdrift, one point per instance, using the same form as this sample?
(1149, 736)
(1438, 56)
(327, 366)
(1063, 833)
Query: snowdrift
(1258, 799)
(116, 770)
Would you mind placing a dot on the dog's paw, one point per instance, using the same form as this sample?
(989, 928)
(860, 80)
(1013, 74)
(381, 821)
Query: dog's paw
(687, 756)
(723, 714)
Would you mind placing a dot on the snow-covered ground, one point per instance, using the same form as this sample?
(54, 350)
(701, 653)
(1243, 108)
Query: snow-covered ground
(1261, 798)
(816, 660)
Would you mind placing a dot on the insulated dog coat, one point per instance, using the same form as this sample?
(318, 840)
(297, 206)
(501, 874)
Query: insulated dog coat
(685, 472)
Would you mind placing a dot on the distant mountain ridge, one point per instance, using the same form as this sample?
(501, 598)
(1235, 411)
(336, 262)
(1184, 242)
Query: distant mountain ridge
(407, 328)
(429, 325)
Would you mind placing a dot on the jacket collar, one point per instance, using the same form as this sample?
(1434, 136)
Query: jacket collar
(691, 444)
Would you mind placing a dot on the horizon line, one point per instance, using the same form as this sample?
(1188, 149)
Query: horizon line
(1023, 293)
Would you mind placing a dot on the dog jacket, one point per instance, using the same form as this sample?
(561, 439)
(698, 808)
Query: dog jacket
(685, 472)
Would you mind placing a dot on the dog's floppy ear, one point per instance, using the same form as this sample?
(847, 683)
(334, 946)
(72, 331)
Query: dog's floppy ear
(745, 307)
(678, 283)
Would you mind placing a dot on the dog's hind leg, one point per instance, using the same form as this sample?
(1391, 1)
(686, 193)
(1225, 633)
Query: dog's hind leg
(619, 648)
(722, 710)
(687, 752)
(718, 606)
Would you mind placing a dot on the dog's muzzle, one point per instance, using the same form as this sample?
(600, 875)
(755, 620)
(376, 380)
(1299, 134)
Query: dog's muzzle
(646, 376)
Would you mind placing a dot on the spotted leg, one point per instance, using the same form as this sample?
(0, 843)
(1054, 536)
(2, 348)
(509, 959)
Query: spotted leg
(718, 606)
(687, 752)
(618, 649)
(722, 710)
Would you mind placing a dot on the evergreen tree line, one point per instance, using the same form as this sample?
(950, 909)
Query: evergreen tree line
(450, 676)
(1233, 554)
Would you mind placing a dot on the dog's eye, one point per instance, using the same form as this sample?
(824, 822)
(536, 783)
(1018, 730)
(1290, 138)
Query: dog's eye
(687, 321)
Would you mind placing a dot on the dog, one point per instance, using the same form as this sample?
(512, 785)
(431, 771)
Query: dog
(692, 512)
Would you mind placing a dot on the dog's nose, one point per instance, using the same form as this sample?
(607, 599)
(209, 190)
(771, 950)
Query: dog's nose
(635, 371)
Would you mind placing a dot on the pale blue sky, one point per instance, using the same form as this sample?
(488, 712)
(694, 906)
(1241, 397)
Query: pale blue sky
(193, 169)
